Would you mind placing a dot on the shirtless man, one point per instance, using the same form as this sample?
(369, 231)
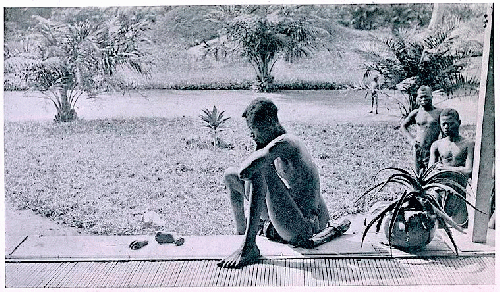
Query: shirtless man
(453, 152)
(426, 117)
(282, 183)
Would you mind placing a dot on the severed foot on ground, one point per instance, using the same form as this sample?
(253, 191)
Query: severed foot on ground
(242, 257)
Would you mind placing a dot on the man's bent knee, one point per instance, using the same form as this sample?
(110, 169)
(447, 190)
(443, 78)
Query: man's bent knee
(231, 177)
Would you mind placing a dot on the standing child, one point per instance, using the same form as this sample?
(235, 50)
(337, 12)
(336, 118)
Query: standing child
(374, 87)
(426, 118)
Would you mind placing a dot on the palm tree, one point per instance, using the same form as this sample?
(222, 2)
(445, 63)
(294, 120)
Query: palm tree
(431, 58)
(263, 35)
(80, 51)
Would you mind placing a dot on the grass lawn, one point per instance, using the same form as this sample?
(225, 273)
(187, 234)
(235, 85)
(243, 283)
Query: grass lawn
(101, 175)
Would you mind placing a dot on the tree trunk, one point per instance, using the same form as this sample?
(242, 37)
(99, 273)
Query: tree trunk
(65, 113)
(264, 82)
(437, 16)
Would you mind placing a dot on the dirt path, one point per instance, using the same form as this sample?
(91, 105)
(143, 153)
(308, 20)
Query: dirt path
(22, 223)
(321, 105)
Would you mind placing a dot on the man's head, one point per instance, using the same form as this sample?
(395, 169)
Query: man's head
(424, 96)
(262, 120)
(450, 122)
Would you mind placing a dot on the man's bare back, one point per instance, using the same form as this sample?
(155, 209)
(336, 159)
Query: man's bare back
(285, 161)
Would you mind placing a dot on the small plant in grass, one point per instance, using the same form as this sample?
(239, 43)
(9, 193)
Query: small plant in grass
(411, 220)
(214, 120)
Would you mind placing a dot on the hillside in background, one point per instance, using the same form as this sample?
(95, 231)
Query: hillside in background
(178, 31)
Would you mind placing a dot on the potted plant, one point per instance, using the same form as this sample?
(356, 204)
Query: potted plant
(411, 219)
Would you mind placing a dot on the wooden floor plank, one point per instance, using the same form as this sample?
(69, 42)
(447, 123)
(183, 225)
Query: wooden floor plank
(161, 274)
(267, 272)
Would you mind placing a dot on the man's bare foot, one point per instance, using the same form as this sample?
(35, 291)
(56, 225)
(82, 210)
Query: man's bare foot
(240, 258)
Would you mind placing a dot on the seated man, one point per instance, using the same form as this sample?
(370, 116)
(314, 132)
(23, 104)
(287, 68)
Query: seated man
(453, 152)
(282, 183)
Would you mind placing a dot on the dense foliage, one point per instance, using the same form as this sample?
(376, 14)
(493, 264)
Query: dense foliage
(263, 35)
(184, 51)
(429, 58)
(395, 16)
(78, 51)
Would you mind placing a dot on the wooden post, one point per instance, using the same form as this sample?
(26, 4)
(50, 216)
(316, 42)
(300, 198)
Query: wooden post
(484, 151)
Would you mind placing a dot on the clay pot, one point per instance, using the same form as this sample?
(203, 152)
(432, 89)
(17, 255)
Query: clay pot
(412, 229)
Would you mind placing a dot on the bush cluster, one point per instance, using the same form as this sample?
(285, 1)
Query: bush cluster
(244, 85)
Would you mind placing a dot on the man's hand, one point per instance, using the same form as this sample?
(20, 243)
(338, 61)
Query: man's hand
(439, 166)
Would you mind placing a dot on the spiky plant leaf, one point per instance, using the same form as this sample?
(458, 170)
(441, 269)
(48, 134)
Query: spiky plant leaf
(368, 191)
(397, 208)
(452, 190)
(413, 179)
(418, 189)
(213, 120)
(380, 216)
(448, 232)
(447, 218)
(448, 186)
(402, 179)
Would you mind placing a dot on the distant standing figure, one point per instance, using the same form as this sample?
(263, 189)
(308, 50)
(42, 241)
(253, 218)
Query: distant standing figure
(374, 87)
(426, 117)
(456, 153)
